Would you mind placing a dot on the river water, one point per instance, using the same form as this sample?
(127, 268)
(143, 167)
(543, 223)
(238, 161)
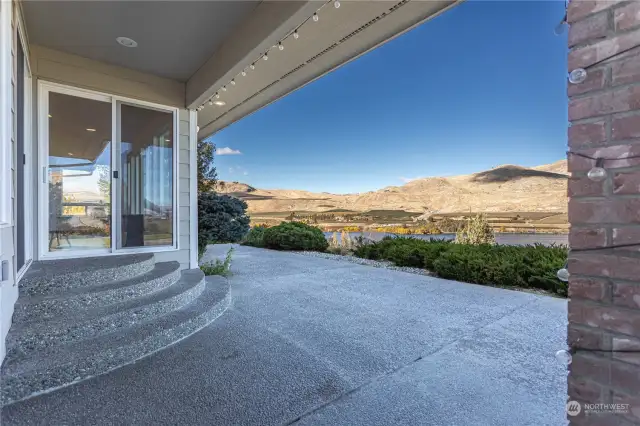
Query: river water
(508, 238)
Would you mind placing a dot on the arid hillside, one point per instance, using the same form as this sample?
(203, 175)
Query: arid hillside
(506, 188)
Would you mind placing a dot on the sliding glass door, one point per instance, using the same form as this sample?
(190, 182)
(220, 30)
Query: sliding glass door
(146, 187)
(78, 173)
(108, 179)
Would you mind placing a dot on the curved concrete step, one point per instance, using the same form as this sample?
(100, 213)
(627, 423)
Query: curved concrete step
(82, 299)
(51, 277)
(63, 365)
(23, 339)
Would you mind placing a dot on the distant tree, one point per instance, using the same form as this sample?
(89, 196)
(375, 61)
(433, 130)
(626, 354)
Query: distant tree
(104, 183)
(476, 231)
(207, 176)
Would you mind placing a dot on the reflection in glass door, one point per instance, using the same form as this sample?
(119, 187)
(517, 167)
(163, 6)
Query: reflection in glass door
(79, 173)
(146, 189)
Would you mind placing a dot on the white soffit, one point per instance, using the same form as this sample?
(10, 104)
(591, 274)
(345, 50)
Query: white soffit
(340, 35)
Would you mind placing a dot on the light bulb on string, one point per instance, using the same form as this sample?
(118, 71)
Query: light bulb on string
(563, 275)
(265, 57)
(280, 46)
(316, 18)
(597, 172)
(564, 357)
(296, 35)
(577, 76)
(252, 66)
(336, 3)
(210, 102)
(233, 82)
(244, 73)
(224, 88)
(217, 95)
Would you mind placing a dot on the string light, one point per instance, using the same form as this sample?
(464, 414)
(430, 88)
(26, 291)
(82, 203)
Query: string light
(598, 172)
(563, 274)
(210, 101)
(577, 76)
(564, 357)
(265, 56)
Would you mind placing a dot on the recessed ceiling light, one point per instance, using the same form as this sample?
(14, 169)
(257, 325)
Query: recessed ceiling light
(127, 42)
(220, 103)
(91, 130)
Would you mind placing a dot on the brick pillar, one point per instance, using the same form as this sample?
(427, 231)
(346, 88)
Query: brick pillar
(604, 287)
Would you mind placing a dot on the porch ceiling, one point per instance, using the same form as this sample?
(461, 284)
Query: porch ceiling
(175, 38)
(340, 35)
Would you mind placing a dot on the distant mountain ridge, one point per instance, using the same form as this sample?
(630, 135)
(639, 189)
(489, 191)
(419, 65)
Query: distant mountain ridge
(502, 189)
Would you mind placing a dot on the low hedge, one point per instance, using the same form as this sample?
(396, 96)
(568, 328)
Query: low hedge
(294, 236)
(255, 237)
(532, 266)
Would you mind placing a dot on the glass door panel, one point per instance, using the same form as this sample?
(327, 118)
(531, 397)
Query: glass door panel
(145, 165)
(79, 173)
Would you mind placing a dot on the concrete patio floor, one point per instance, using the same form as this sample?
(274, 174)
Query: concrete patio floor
(312, 341)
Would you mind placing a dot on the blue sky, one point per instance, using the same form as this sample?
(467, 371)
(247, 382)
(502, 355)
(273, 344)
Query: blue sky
(483, 84)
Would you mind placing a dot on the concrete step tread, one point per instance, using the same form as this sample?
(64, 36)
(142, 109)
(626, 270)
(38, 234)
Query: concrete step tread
(57, 276)
(65, 364)
(24, 338)
(80, 299)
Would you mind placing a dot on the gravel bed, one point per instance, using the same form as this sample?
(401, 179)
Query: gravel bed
(367, 262)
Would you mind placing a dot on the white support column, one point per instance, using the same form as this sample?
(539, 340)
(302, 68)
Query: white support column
(193, 187)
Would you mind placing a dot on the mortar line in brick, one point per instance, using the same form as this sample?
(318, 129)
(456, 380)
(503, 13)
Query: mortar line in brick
(602, 91)
(593, 41)
(582, 18)
(595, 303)
(610, 197)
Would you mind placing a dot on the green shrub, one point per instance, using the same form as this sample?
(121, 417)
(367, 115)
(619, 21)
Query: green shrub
(221, 219)
(255, 237)
(295, 236)
(533, 266)
(218, 267)
(510, 266)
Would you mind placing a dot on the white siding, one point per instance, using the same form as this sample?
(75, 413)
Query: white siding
(9, 289)
(184, 179)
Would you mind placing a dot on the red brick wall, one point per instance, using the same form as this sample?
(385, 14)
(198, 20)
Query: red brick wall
(604, 286)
